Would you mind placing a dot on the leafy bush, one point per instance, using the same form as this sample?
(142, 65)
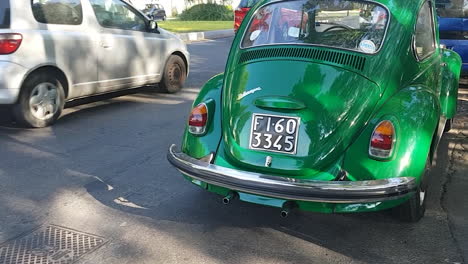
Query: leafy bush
(207, 12)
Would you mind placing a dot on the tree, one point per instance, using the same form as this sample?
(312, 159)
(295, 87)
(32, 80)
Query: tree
(222, 2)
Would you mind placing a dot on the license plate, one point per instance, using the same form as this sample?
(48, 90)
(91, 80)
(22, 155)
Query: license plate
(274, 133)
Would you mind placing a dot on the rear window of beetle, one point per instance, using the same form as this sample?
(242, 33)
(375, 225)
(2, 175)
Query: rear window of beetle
(62, 12)
(5, 14)
(352, 25)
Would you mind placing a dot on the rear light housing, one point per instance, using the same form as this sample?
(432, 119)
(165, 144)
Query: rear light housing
(239, 15)
(382, 141)
(10, 42)
(198, 120)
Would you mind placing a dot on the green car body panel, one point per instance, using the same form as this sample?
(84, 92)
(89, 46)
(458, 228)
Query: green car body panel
(339, 105)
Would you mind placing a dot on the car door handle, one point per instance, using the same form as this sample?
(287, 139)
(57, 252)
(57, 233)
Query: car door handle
(443, 64)
(106, 45)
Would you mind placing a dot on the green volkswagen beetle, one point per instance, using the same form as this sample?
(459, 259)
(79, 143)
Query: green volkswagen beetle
(325, 106)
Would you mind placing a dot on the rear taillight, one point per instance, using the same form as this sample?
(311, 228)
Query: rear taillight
(198, 119)
(382, 140)
(10, 43)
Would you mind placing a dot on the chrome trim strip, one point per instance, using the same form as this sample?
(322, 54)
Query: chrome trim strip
(137, 77)
(291, 188)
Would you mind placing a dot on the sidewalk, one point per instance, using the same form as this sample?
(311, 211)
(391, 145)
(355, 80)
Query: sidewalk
(198, 36)
(455, 198)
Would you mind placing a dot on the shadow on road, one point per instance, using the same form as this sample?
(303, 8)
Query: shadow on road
(121, 166)
(370, 237)
(87, 104)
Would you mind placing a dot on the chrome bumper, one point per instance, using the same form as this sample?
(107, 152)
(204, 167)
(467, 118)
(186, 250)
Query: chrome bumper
(290, 188)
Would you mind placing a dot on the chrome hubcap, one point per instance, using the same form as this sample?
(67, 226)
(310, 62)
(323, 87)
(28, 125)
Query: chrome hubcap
(44, 101)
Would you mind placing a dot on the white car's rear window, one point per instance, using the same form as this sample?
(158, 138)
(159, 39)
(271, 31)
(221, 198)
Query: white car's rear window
(63, 12)
(5, 14)
(353, 25)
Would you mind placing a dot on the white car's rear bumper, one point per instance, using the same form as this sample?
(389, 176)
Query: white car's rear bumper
(11, 78)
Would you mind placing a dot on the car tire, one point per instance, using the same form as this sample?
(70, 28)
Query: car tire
(174, 75)
(448, 125)
(164, 18)
(40, 102)
(414, 208)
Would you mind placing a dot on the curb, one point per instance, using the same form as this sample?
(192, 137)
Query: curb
(197, 36)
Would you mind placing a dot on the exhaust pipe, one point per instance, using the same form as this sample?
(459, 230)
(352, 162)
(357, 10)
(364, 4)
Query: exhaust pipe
(230, 197)
(288, 208)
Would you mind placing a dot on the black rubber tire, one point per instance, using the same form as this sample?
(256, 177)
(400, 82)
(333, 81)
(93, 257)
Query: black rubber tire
(21, 111)
(448, 125)
(413, 210)
(174, 75)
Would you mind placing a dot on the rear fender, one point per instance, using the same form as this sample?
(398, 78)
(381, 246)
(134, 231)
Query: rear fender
(414, 112)
(201, 146)
(449, 86)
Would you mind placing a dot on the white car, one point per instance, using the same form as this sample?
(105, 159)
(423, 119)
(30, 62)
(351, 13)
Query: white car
(53, 51)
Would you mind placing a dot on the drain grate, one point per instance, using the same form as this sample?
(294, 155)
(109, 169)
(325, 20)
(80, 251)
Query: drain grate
(49, 245)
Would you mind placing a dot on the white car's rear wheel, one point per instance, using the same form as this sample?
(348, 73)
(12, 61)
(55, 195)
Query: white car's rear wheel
(41, 101)
(174, 75)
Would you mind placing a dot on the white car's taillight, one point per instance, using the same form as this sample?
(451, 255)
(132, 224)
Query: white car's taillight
(9, 43)
(198, 119)
(383, 140)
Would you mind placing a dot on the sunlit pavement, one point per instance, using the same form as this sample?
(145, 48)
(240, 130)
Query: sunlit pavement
(102, 170)
(456, 195)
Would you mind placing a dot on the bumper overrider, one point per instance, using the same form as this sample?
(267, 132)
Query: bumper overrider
(290, 188)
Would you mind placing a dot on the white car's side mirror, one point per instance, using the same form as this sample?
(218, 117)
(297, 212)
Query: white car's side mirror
(153, 25)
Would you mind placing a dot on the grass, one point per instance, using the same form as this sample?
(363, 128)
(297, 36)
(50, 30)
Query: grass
(194, 26)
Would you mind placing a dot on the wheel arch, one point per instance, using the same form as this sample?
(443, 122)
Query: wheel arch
(200, 146)
(450, 82)
(184, 58)
(415, 112)
(53, 70)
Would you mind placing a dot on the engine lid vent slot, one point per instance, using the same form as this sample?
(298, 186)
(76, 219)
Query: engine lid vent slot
(354, 61)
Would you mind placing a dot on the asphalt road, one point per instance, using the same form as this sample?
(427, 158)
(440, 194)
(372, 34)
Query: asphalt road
(102, 169)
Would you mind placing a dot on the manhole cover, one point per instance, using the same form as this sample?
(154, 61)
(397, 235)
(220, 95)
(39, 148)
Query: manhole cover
(49, 245)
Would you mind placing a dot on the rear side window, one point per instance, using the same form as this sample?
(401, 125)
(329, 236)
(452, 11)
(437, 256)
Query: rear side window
(247, 3)
(62, 12)
(5, 14)
(424, 37)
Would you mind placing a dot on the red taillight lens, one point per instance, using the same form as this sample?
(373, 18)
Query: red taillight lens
(239, 15)
(10, 43)
(198, 119)
(382, 140)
